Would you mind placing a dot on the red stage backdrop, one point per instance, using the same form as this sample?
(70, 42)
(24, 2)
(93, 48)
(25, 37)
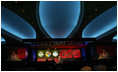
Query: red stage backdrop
(70, 53)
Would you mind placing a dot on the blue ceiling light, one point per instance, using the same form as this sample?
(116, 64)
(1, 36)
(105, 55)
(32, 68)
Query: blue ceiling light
(16, 25)
(59, 18)
(101, 24)
(2, 39)
(115, 37)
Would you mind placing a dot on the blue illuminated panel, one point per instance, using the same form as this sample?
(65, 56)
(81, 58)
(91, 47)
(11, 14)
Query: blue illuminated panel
(16, 25)
(101, 24)
(34, 54)
(59, 18)
(83, 52)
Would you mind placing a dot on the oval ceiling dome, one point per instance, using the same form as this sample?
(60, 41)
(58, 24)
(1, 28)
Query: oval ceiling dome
(59, 18)
(16, 25)
(101, 24)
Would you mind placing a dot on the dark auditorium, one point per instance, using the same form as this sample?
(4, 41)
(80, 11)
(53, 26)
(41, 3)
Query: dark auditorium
(58, 35)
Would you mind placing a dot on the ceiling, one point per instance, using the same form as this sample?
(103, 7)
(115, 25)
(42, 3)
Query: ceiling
(27, 10)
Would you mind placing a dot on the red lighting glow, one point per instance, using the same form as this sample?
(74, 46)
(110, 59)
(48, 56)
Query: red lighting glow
(22, 53)
(41, 59)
